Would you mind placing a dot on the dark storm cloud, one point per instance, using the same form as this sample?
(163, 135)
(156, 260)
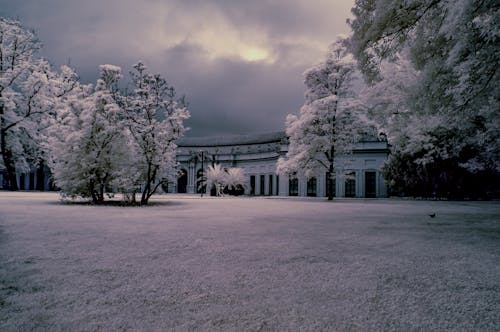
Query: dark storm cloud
(240, 63)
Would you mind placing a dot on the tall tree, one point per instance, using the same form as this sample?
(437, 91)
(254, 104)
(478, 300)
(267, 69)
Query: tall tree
(329, 122)
(450, 121)
(28, 92)
(154, 117)
(88, 148)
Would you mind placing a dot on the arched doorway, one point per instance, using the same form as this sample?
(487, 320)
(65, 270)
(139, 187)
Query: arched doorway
(182, 182)
(293, 187)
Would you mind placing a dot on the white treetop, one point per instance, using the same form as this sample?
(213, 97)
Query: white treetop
(154, 119)
(88, 150)
(101, 140)
(233, 178)
(29, 90)
(453, 100)
(330, 121)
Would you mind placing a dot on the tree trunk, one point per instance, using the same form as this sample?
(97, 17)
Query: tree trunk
(145, 196)
(147, 187)
(93, 194)
(8, 158)
(101, 192)
(40, 177)
(331, 174)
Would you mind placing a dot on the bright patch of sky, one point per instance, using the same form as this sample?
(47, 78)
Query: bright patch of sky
(240, 63)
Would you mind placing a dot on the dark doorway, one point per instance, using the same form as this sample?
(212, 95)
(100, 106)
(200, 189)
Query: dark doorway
(22, 182)
(277, 185)
(182, 182)
(262, 184)
(370, 184)
(252, 184)
(270, 185)
(293, 187)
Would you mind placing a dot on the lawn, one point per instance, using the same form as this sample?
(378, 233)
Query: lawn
(228, 264)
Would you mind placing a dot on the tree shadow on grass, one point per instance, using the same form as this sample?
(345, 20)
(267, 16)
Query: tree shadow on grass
(116, 203)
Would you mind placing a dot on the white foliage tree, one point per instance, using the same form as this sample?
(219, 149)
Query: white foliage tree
(214, 177)
(88, 149)
(329, 122)
(233, 178)
(154, 118)
(29, 92)
(450, 106)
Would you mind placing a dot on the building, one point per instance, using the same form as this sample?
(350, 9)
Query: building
(257, 155)
(37, 179)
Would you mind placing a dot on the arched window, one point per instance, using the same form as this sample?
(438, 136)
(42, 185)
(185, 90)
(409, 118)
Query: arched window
(293, 187)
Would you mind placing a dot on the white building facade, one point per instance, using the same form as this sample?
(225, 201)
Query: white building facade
(258, 155)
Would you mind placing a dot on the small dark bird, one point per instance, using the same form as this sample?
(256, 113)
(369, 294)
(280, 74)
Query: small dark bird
(432, 215)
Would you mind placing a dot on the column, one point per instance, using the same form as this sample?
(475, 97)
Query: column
(191, 179)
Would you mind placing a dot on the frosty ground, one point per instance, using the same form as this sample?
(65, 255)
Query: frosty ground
(248, 264)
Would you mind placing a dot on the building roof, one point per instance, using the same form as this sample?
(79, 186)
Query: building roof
(232, 139)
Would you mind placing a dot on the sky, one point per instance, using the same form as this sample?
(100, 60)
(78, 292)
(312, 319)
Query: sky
(238, 62)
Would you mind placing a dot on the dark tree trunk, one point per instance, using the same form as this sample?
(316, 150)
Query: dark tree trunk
(92, 192)
(147, 187)
(40, 177)
(8, 158)
(331, 174)
(149, 190)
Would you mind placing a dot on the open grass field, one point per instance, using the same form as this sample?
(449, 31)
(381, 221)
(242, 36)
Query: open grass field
(254, 264)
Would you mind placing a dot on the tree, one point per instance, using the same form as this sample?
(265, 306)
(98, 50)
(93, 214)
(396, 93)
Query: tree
(329, 122)
(154, 118)
(231, 180)
(29, 90)
(215, 177)
(88, 148)
(235, 180)
(447, 120)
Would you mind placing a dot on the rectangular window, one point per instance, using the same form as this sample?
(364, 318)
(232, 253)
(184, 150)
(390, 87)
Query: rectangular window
(262, 184)
(277, 185)
(270, 185)
(252, 184)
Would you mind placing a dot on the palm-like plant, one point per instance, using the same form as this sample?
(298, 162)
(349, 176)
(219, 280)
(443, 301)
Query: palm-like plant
(236, 179)
(216, 177)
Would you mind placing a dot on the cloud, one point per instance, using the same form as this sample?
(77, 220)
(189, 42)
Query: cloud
(239, 62)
